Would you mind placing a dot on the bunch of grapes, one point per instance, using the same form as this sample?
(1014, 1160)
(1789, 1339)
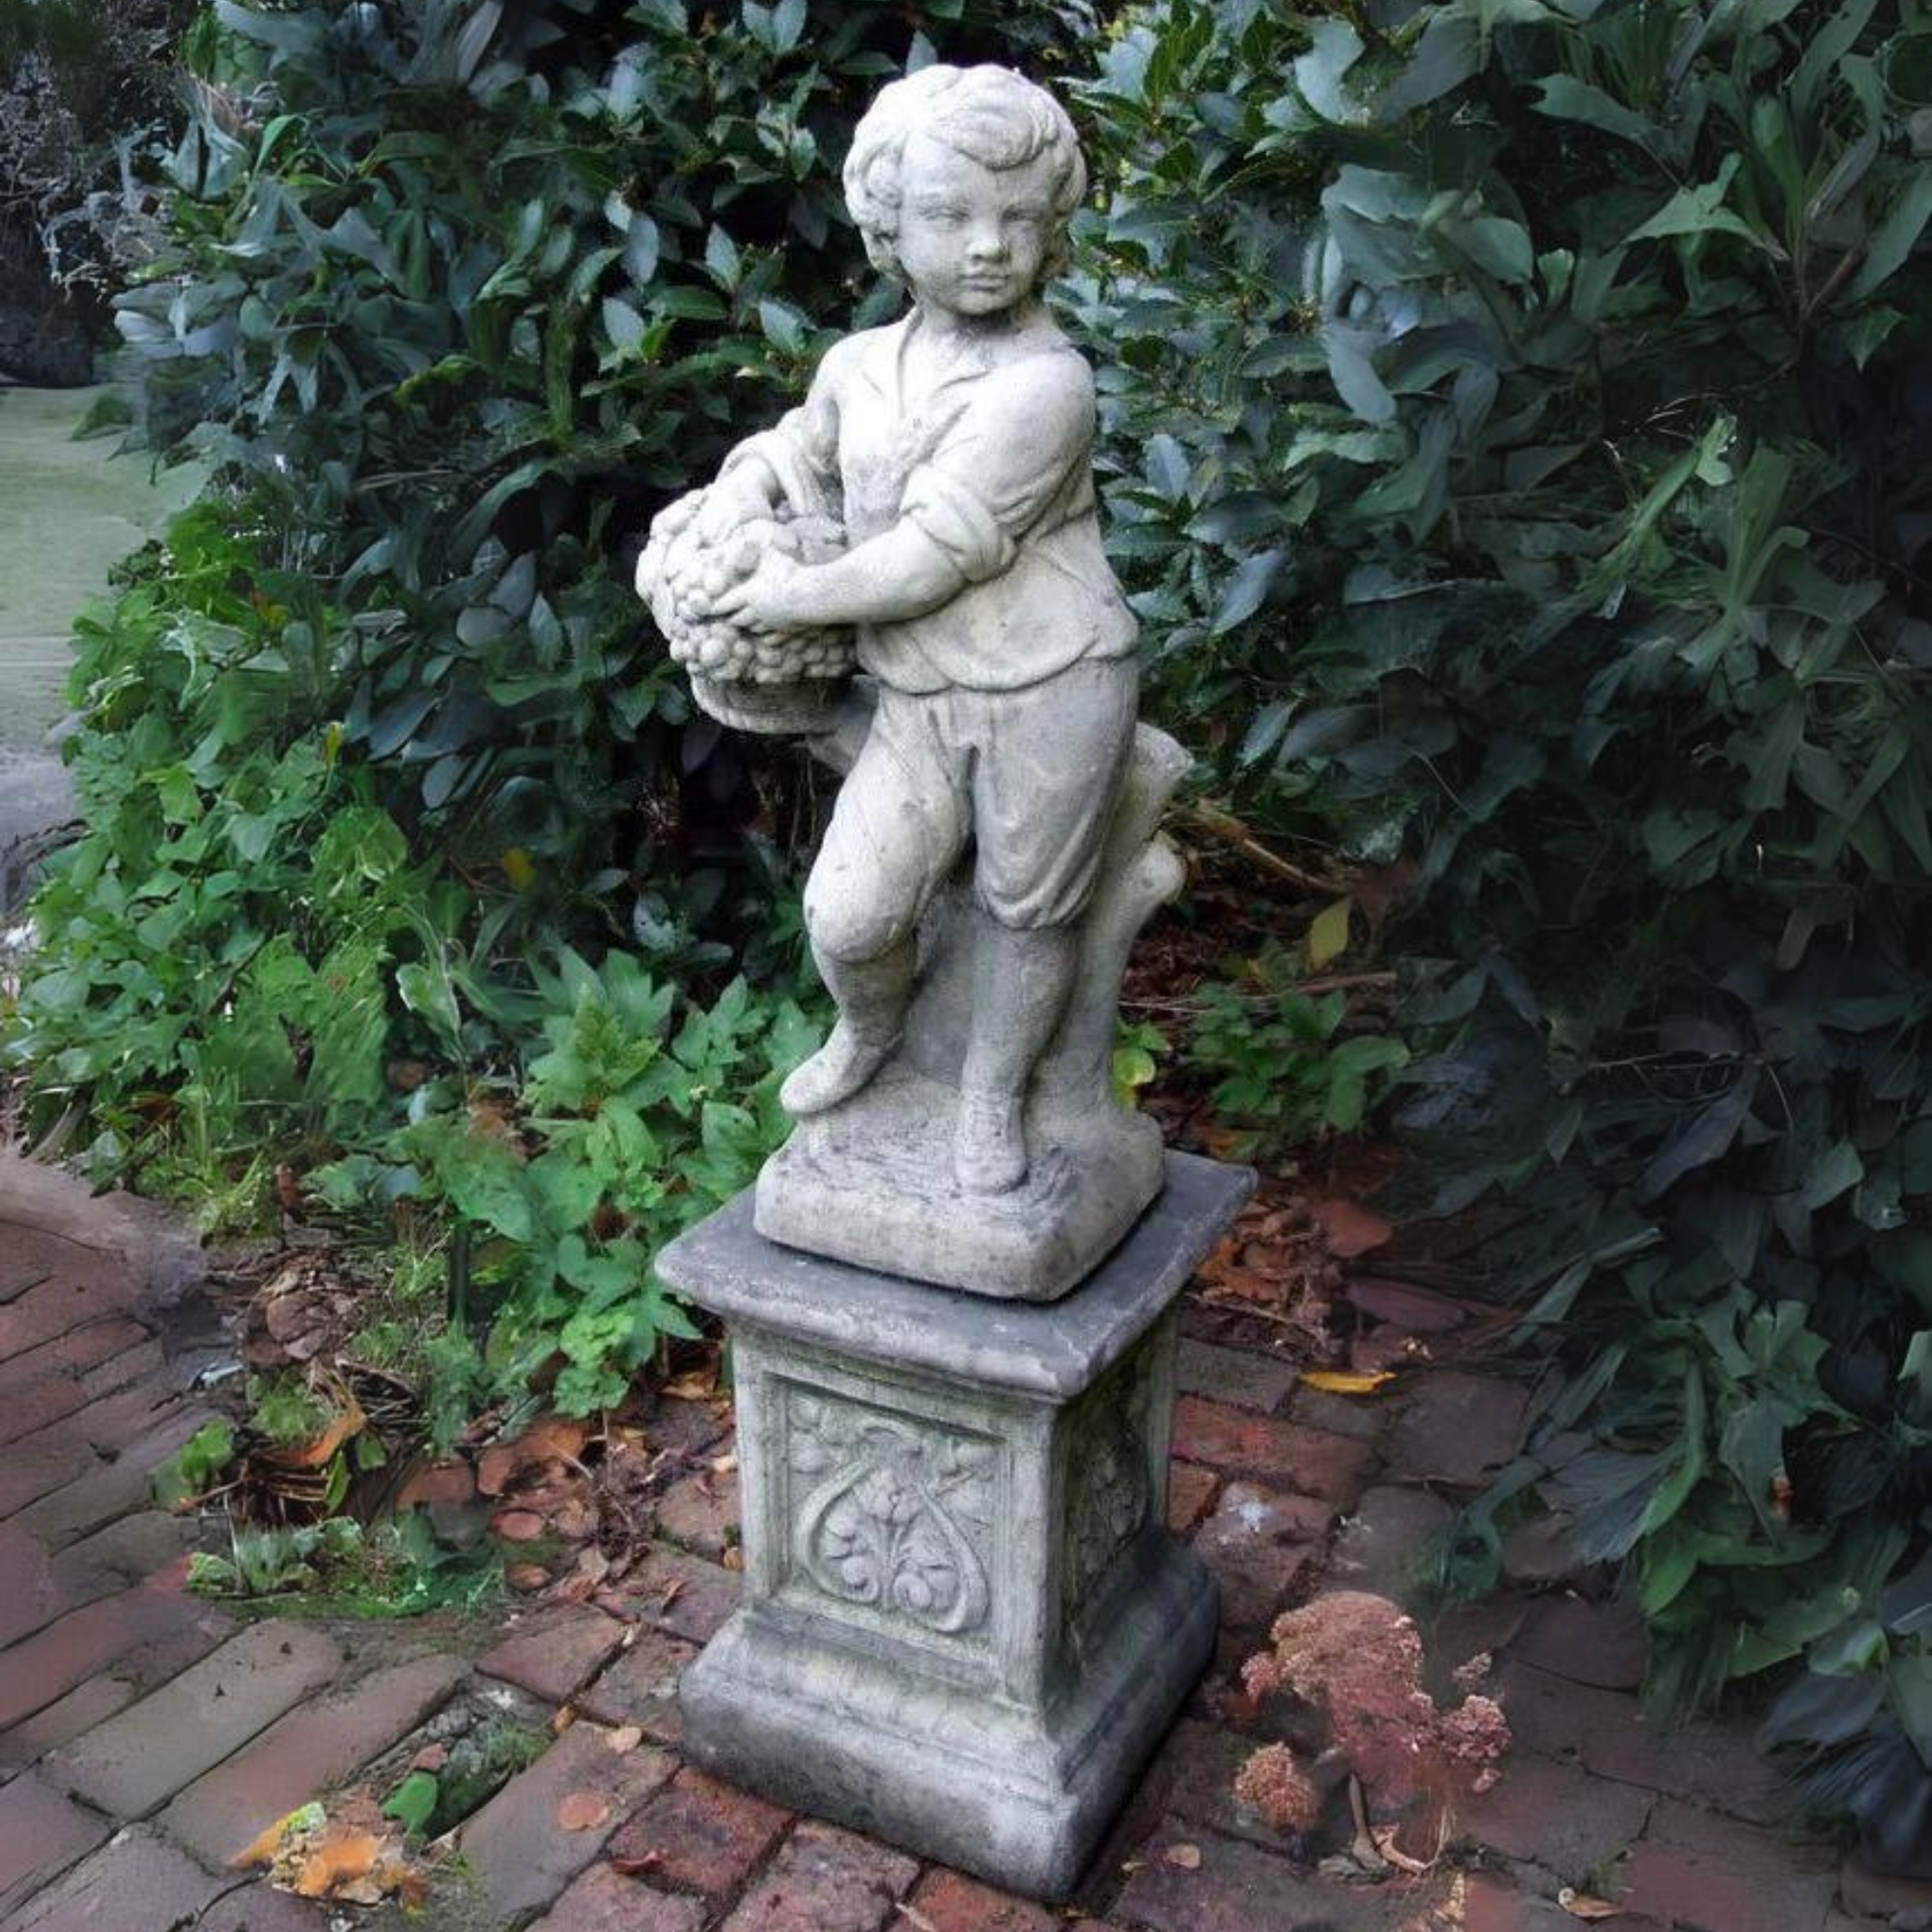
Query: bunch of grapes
(682, 577)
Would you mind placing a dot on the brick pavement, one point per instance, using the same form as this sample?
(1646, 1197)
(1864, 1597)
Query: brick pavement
(145, 1734)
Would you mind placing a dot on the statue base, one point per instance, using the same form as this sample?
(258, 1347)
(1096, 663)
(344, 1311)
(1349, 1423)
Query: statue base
(871, 1182)
(966, 1625)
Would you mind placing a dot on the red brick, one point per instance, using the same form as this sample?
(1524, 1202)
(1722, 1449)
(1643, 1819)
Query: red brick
(1876, 1896)
(1202, 1760)
(826, 1880)
(516, 1845)
(131, 1675)
(1264, 1447)
(706, 1835)
(641, 1687)
(60, 1395)
(1490, 1904)
(43, 1668)
(61, 1299)
(1722, 1877)
(40, 1835)
(686, 1427)
(549, 1654)
(1235, 1887)
(683, 1594)
(139, 1760)
(259, 1907)
(1190, 1495)
(74, 1448)
(1415, 1311)
(701, 1512)
(1555, 1816)
(1458, 1428)
(604, 1901)
(1589, 1644)
(1384, 1547)
(135, 1883)
(1606, 1731)
(1362, 1418)
(1238, 1375)
(70, 1355)
(98, 1492)
(946, 1901)
(1258, 1542)
(318, 1744)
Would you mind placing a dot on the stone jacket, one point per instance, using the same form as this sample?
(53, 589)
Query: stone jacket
(992, 461)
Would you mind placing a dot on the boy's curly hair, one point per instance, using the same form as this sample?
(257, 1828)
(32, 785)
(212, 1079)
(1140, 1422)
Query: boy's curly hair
(998, 117)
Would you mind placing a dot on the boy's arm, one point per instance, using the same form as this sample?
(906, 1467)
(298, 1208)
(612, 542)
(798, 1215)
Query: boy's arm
(798, 457)
(963, 513)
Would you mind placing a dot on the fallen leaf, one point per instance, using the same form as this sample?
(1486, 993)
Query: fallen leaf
(526, 1577)
(1579, 1904)
(519, 1525)
(626, 1737)
(1186, 1856)
(336, 1861)
(694, 1385)
(562, 1718)
(733, 1559)
(724, 1465)
(1336, 1381)
(432, 1757)
(262, 1850)
(915, 1917)
(361, 1891)
(636, 1867)
(583, 1811)
(1348, 1231)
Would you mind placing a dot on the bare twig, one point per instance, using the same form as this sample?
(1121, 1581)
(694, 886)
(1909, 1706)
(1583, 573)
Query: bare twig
(1224, 826)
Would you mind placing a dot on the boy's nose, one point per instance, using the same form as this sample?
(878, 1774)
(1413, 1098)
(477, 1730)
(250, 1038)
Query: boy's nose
(987, 244)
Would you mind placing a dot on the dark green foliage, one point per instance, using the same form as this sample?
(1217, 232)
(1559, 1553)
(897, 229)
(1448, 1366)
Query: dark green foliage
(1525, 447)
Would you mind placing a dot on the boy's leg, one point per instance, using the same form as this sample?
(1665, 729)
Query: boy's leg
(897, 828)
(1048, 772)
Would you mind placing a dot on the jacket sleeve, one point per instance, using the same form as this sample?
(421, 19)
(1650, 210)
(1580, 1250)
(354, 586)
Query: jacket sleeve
(1005, 463)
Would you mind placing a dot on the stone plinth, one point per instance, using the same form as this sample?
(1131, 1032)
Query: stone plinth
(966, 1625)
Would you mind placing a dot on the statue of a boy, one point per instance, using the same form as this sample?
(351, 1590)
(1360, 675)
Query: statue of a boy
(955, 443)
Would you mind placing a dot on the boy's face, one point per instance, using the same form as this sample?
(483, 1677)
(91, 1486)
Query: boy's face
(971, 240)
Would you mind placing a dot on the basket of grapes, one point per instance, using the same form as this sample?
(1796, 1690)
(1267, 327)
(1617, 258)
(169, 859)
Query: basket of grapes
(760, 683)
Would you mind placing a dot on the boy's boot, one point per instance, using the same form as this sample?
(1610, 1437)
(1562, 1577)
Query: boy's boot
(1021, 980)
(872, 995)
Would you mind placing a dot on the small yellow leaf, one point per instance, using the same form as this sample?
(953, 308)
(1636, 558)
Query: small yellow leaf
(1186, 1856)
(518, 866)
(1336, 1381)
(332, 745)
(626, 1737)
(1329, 935)
(1579, 1904)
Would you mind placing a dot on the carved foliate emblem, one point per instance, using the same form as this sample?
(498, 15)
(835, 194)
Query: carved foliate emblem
(1108, 1495)
(897, 1514)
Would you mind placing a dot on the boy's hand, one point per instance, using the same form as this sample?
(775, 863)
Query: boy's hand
(747, 491)
(772, 599)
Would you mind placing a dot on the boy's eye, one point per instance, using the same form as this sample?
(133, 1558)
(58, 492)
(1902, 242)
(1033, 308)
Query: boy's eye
(948, 215)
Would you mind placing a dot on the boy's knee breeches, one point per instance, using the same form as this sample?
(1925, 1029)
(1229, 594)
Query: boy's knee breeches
(1029, 776)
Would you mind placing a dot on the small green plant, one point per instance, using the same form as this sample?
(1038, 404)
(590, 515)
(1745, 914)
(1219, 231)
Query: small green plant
(286, 1410)
(1286, 1078)
(197, 1467)
(1138, 1047)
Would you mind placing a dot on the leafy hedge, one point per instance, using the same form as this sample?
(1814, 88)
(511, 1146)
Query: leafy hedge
(1552, 377)
(1516, 435)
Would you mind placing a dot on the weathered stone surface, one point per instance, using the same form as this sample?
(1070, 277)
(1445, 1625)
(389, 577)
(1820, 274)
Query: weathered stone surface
(1457, 1429)
(1270, 1449)
(142, 1757)
(1722, 1877)
(641, 1687)
(1384, 1546)
(40, 1835)
(702, 1834)
(1589, 1644)
(1358, 1418)
(1234, 1375)
(826, 1880)
(551, 1653)
(604, 1901)
(317, 1745)
(1415, 1311)
(259, 1907)
(1556, 1816)
(136, 1883)
(523, 1851)
(1053, 1351)
(97, 1493)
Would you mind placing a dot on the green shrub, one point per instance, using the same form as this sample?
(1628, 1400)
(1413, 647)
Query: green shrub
(1521, 440)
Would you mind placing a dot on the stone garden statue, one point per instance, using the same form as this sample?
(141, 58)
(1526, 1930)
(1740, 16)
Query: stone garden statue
(964, 1624)
(930, 512)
